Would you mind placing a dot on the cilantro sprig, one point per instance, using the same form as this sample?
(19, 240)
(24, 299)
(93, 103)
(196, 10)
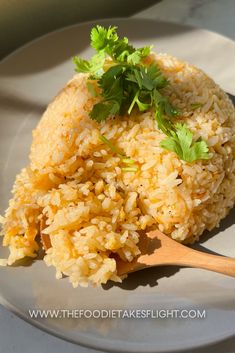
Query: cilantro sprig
(128, 81)
(180, 141)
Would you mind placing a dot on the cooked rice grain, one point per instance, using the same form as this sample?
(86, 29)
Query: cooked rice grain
(91, 208)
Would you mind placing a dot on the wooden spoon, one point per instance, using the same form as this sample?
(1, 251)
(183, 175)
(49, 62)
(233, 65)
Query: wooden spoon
(158, 249)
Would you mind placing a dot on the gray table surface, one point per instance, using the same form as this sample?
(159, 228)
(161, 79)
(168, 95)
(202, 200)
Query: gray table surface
(17, 336)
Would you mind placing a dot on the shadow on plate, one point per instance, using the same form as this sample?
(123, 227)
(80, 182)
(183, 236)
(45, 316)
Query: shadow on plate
(147, 277)
(19, 104)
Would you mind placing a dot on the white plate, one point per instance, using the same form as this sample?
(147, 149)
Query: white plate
(29, 78)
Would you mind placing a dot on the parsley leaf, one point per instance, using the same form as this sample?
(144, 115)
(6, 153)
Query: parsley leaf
(181, 142)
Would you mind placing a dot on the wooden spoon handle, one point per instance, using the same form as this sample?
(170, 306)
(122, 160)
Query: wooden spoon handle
(216, 263)
(173, 253)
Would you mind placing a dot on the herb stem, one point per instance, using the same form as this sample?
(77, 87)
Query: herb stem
(129, 169)
(133, 102)
(128, 160)
(111, 146)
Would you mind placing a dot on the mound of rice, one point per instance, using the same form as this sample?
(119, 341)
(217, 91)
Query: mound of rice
(91, 207)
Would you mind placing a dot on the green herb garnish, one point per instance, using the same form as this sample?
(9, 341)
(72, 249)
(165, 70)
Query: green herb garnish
(91, 89)
(127, 81)
(131, 167)
(113, 148)
(196, 105)
(180, 141)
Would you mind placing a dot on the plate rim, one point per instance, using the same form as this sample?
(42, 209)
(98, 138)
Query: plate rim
(102, 343)
(129, 347)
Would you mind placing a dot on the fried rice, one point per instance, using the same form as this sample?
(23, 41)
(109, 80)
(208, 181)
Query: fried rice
(91, 208)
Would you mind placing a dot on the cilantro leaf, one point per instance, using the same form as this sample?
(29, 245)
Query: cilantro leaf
(82, 65)
(112, 84)
(148, 78)
(163, 105)
(136, 57)
(126, 81)
(94, 67)
(115, 91)
(171, 144)
(91, 88)
(152, 77)
(102, 37)
(110, 76)
(121, 50)
(164, 124)
(102, 110)
(199, 150)
(181, 142)
(118, 49)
